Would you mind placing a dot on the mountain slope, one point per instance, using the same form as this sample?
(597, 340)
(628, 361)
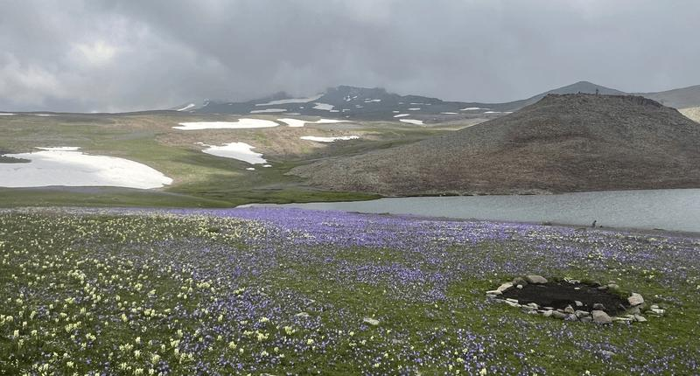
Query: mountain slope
(563, 143)
(347, 102)
(677, 98)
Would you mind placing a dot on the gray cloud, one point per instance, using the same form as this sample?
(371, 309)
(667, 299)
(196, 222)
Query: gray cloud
(74, 55)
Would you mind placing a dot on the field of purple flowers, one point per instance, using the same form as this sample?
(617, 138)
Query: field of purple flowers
(286, 291)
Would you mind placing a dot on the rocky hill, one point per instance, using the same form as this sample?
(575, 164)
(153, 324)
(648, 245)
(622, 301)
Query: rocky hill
(563, 143)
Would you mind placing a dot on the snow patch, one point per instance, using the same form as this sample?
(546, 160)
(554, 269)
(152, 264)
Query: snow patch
(240, 124)
(329, 139)
(6, 114)
(323, 106)
(472, 109)
(401, 115)
(66, 166)
(414, 109)
(236, 150)
(191, 105)
(297, 123)
(269, 110)
(412, 121)
(292, 100)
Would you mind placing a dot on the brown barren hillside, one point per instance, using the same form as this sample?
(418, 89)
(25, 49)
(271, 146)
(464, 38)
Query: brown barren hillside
(563, 143)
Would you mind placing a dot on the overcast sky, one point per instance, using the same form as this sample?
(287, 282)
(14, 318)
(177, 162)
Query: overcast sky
(93, 55)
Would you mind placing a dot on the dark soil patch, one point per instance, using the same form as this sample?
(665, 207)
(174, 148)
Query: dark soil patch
(559, 295)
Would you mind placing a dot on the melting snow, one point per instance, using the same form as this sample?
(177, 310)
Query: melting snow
(329, 139)
(471, 109)
(401, 115)
(492, 112)
(191, 105)
(269, 110)
(297, 123)
(293, 100)
(66, 166)
(6, 114)
(236, 150)
(412, 121)
(240, 124)
(449, 113)
(323, 106)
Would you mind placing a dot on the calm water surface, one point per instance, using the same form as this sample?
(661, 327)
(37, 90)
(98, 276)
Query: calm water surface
(672, 209)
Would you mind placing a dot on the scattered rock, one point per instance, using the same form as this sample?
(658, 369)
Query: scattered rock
(558, 315)
(578, 304)
(656, 310)
(599, 307)
(640, 318)
(519, 281)
(580, 314)
(370, 321)
(547, 313)
(519, 287)
(504, 287)
(635, 299)
(535, 279)
(586, 319)
(302, 315)
(600, 317)
(494, 292)
(569, 309)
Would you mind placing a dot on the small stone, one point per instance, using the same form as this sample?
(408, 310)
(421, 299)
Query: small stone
(370, 321)
(517, 305)
(494, 293)
(533, 305)
(599, 307)
(504, 287)
(519, 281)
(635, 299)
(613, 286)
(578, 304)
(512, 300)
(547, 313)
(302, 315)
(558, 315)
(519, 287)
(586, 319)
(640, 318)
(569, 309)
(580, 314)
(658, 311)
(600, 317)
(535, 279)
(607, 354)
(635, 310)
(623, 319)
(602, 288)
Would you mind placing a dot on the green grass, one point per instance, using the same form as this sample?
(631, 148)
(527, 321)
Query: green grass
(201, 180)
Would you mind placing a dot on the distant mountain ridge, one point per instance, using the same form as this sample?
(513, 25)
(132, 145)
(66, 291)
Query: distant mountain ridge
(563, 143)
(356, 103)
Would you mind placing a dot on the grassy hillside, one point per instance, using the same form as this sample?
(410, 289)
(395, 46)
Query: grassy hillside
(200, 180)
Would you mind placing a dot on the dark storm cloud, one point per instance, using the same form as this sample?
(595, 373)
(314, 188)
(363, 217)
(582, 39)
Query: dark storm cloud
(74, 55)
